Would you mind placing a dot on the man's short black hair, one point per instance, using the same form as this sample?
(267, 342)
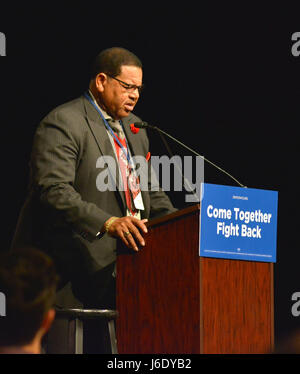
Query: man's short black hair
(111, 60)
(28, 280)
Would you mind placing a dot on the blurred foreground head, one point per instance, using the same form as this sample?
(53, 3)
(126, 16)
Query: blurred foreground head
(28, 283)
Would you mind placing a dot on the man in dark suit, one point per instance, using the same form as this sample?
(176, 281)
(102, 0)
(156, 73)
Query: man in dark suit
(67, 213)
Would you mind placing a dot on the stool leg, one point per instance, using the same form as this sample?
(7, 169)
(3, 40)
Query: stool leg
(78, 336)
(112, 335)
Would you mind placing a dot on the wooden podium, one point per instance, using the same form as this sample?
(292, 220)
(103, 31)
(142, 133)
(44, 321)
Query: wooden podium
(170, 300)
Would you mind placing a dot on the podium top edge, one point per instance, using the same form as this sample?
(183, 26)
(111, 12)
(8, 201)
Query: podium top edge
(175, 215)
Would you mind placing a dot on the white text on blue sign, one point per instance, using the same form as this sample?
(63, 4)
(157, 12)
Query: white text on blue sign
(242, 217)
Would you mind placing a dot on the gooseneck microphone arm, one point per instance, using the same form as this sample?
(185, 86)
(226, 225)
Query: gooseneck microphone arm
(186, 181)
(146, 125)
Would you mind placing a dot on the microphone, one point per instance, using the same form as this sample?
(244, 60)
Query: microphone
(144, 125)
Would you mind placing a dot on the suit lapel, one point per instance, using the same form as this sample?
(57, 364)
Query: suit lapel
(99, 132)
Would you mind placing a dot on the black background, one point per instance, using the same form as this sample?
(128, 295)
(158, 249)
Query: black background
(222, 79)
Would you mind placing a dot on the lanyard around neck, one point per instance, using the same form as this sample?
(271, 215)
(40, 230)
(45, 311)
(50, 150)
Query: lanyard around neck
(126, 152)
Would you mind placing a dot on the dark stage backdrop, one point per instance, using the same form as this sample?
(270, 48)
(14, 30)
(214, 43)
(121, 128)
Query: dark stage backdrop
(223, 80)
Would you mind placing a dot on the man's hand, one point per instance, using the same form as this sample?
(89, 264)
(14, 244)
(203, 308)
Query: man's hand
(128, 230)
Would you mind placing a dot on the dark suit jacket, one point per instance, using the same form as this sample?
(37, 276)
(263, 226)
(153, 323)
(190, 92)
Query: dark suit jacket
(64, 210)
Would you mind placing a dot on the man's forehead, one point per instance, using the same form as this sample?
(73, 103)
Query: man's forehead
(131, 71)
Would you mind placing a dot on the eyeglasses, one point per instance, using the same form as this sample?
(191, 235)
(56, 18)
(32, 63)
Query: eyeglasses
(127, 86)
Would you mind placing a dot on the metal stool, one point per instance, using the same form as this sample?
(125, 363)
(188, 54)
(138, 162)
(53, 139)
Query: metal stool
(75, 319)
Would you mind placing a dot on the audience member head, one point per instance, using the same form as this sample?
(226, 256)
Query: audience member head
(28, 281)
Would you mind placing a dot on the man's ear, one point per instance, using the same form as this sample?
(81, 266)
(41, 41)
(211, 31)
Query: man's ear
(48, 319)
(100, 81)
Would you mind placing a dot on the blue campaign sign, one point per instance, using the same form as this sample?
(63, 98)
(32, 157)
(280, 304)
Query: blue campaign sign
(238, 223)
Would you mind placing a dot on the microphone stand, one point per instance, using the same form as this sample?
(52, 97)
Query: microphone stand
(146, 125)
(186, 181)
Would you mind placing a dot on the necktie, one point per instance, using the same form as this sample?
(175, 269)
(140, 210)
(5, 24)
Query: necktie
(117, 128)
(127, 172)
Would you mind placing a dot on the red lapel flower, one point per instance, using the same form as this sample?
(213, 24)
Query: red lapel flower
(134, 129)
